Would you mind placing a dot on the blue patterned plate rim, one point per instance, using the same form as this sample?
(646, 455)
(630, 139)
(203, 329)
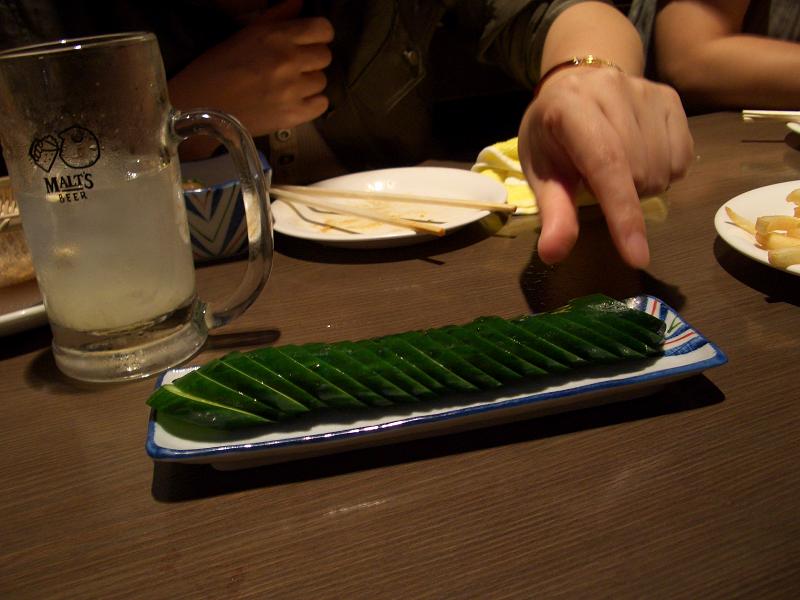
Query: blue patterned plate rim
(681, 339)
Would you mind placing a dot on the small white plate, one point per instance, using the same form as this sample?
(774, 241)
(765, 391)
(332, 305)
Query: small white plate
(22, 319)
(21, 308)
(340, 230)
(767, 200)
(686, 352)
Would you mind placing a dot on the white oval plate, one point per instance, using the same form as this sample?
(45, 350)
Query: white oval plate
(21, 308)
(340, 230)
(767, 200)
(22, 319)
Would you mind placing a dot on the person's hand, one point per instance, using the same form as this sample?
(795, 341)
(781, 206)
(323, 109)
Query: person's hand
(269, 75)
(621, 136)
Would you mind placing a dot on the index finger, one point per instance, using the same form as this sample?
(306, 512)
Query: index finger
(598, 153)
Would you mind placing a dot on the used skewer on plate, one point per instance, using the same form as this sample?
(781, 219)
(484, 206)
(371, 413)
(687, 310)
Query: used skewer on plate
(394, 197)
(320, 203)
(317, 197)
(790, 117)
(770, 115)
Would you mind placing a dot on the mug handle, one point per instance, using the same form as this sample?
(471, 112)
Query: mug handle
(255, 185)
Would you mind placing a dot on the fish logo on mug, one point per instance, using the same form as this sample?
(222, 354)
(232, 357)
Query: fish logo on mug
(76, 146)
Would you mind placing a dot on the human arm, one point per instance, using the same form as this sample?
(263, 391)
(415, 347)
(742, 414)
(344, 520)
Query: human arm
(269, 75)
(612, 130)
(701, 50)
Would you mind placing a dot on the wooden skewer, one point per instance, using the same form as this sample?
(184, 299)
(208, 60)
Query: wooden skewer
(396, 197)
(290, 196)
(770, 115)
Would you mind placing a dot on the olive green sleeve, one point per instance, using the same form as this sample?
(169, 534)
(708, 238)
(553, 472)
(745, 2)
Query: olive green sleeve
(514, 36)
(515, 30)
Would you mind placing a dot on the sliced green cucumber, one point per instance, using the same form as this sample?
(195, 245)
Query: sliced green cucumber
(570, 322)
(371, 375)
(450, 360)
(388, 369)
(320, 363)
(323, 390)
(256, 370)
(619, 334)
(652, 339)
(531, 347)
(402, 364)
(233, 377)
(601, 304)
(422, 361)
(201, 411)
(500, 347)
(198, 384)
(477, 352)
(265, 385)
(540, 326)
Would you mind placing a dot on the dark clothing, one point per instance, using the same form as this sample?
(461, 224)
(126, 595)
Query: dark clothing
(185, 28)
(779, 19)
(410, 79)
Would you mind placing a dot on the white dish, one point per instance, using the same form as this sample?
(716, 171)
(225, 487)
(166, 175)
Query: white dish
(22, 319)
(340, 230)
(685, 352)
(21, 308)
(767, 200)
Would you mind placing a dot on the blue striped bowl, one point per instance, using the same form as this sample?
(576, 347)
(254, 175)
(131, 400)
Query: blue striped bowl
(215, 209)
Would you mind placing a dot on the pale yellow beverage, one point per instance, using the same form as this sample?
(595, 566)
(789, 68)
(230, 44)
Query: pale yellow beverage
(91, 277)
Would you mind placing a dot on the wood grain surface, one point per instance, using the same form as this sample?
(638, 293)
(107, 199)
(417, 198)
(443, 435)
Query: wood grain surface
(688, 493)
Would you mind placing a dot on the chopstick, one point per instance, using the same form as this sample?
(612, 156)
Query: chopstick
(290, 196)
(395, 197)
(771, 115)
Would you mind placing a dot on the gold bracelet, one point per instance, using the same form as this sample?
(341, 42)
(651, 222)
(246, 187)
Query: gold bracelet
(590, 60)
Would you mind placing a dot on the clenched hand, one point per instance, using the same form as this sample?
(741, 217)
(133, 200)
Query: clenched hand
(269, 75)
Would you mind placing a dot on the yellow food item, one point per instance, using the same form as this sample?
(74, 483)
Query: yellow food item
(777, 234)
(16, 265)
(500, 162)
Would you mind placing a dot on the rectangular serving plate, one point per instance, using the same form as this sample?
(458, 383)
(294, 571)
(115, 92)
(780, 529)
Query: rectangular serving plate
(686, 352)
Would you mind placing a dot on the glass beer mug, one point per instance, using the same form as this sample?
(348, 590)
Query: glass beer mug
(90, 141)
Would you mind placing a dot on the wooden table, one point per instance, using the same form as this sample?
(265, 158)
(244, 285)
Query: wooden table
(687, 493)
